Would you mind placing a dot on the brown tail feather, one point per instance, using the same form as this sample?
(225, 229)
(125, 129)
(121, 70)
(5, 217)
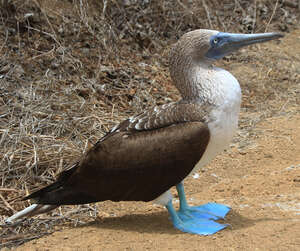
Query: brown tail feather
(38, 195)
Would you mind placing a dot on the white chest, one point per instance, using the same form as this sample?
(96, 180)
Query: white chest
(223, 120)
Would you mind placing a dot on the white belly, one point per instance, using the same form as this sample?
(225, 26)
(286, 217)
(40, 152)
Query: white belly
(223, 120)
(222, 131)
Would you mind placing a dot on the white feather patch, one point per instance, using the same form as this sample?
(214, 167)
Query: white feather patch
(114, 128)
(138, 126)
(164, 198)
(131, 119)
(22, 213)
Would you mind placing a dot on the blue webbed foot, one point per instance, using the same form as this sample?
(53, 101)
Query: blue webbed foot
(193, 225)
(201, 227)
(198, 219)
(209, 211)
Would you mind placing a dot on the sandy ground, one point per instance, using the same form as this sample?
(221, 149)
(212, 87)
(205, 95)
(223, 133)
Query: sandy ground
(261, 183)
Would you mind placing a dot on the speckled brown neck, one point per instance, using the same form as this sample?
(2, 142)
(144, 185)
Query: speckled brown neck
(187, 60)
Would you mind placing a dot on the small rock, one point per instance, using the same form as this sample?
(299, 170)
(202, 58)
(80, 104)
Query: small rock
(296, 179)
(292, 167)
(269, 156)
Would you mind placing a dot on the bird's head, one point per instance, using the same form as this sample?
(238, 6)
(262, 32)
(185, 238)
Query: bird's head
(210, 44)
(195, 51)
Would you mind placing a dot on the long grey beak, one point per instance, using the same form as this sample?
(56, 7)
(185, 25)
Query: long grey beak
(225, 43)
(239, 40)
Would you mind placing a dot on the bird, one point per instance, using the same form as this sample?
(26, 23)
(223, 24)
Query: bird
(144, 156)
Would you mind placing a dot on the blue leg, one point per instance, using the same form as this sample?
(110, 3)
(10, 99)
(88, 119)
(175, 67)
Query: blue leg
(209, 211)
(201, 227)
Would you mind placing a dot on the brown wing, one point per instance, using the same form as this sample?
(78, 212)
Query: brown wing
(130, 165)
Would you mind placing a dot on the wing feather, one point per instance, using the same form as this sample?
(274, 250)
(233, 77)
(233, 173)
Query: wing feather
(165, 115)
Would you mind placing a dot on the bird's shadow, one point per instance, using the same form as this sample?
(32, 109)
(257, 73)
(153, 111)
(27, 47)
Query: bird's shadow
(159, 222)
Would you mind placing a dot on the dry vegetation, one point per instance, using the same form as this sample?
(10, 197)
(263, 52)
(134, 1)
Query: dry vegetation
(70, 70)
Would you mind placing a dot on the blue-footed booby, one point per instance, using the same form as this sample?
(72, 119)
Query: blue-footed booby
(141, 158)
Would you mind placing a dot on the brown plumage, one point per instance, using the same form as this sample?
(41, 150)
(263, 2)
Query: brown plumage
(130, 165)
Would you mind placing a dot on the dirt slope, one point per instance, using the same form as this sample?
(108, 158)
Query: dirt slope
(260, 181)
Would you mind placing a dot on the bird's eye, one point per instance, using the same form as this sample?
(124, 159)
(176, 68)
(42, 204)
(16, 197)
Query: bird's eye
(215, 41)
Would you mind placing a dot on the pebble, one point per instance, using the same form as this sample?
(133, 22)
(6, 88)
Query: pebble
(292, 167)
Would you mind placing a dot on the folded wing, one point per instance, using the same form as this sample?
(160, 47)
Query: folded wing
(132, 163)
